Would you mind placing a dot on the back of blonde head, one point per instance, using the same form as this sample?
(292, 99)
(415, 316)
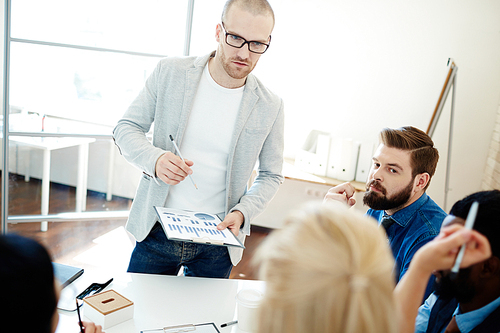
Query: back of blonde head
(328, 270)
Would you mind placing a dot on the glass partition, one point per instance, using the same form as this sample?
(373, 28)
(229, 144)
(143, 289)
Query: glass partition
(65, 83)
(74, 67)
(147, 26)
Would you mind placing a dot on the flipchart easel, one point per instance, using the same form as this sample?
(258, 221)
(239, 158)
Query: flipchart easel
(451, 80)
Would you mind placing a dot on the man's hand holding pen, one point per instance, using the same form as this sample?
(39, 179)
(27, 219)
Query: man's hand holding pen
(233, 221)
(172, 169)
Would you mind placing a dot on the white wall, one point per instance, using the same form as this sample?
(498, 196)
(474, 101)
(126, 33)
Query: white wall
(354, 67)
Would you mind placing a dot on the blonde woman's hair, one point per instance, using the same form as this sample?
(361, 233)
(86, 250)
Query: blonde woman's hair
(328, 270)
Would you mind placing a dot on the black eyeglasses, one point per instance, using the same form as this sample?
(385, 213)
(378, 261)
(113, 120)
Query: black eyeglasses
(238, 42)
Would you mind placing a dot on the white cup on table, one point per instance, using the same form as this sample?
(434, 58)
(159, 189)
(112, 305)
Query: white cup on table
(248, 301)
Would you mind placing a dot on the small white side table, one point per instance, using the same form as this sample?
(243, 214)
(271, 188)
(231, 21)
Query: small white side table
(47, 145)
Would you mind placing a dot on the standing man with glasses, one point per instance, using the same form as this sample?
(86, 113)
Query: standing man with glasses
(224, 120)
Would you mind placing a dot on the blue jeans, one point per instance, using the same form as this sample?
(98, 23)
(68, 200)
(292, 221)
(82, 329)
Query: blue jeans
(156, 254)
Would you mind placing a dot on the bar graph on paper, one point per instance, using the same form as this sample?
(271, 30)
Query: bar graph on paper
(195, 227)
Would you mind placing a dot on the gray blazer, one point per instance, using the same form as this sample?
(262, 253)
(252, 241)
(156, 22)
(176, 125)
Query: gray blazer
(166, 100)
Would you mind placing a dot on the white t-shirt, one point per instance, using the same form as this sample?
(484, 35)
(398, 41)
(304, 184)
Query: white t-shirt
(206, 142)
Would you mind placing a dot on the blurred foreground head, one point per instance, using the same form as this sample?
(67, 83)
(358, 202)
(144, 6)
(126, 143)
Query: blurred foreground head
(28, 291)
(328, 270)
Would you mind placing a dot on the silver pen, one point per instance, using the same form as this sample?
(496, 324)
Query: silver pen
(179, 153)
(469, 223)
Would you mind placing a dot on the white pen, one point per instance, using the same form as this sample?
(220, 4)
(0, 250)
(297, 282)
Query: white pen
(469, 223)
(179, 152)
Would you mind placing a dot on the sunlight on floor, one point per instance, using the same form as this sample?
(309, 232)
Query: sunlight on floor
(110, 252)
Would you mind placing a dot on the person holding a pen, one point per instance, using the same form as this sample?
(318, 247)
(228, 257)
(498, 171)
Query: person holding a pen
(470, 300)
(30, 292)
(401, 172)
(223, 120)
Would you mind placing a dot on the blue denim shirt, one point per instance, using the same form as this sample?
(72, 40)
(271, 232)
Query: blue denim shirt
(414, 226)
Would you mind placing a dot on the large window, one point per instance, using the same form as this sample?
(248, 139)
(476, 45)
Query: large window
(74, 67)
(87, 60)
(86, 85)
(148, 26)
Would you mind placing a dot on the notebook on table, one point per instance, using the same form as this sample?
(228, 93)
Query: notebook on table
(66, 274)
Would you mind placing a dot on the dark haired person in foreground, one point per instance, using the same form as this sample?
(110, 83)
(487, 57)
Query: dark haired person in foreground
(29, 291)
(402, 168)
(470, 302)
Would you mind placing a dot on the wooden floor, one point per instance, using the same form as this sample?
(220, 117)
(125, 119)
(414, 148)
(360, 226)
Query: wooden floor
(92, 244)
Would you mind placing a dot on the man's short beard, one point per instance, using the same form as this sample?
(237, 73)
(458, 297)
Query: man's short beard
(380, 201)
(460, 288)
(226, 64)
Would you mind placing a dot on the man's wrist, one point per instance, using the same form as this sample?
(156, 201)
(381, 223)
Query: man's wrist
(242, 218)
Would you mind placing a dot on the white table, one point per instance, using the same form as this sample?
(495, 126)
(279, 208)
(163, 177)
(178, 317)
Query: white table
(161, 301)
(48, 144)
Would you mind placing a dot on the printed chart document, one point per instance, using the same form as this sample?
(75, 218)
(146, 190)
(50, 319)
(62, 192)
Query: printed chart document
(195, 227)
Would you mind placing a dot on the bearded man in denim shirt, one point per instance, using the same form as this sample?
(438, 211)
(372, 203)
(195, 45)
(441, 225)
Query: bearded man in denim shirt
(402, 168)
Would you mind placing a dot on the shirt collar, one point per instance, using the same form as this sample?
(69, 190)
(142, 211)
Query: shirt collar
(405, 215)
(466, 322)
